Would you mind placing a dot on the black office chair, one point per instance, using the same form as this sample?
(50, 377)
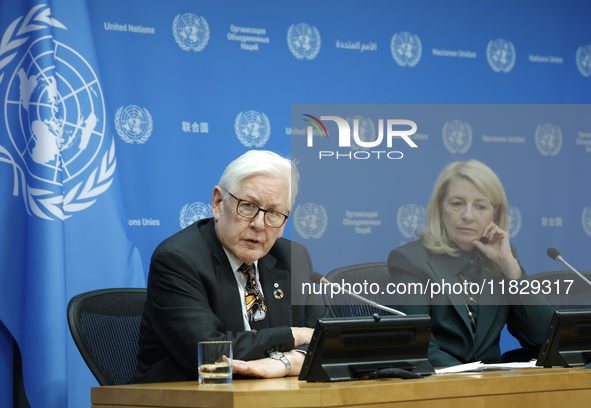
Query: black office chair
(343, 305)
(105, 326)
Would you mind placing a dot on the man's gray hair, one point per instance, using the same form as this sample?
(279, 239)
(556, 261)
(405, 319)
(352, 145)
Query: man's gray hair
(261, 162)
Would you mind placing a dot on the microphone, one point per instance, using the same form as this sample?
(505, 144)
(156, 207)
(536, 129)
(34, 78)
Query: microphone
(320, 279)
(554, 254)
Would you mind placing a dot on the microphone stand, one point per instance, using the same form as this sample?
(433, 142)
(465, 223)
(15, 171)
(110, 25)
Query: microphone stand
(369, 302)
(561, 259)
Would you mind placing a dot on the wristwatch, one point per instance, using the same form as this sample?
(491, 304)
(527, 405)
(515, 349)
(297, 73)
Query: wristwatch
(277, 355)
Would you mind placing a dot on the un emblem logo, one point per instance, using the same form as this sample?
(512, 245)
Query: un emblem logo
(190, 32)
(252, 128)
(500, 55)
(55, 120)
(133, 124)
(457, 136)
(513, 220)
(191, 213)
(409, 219)
(586, 220)
(366, 131)
(406, 49)
(310, 220)
(548, 139)
(584, 60)
(303, 41)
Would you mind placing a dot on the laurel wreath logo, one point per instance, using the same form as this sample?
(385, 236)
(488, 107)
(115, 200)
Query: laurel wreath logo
(497, 48)
(406, 40)
(63, 207)
(583, 59)
(123, 134)
(182, 42)
(193, 213)
(319, 220)
(10, 40)
(243, 134)
(41, 202)
(586, 220)
(298, 53)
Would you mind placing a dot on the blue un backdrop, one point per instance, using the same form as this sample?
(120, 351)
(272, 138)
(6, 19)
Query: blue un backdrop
(119, 117)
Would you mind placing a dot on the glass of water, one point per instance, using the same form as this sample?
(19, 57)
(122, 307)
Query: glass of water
(215, 362)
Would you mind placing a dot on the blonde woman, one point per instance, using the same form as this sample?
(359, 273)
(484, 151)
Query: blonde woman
(466, 246)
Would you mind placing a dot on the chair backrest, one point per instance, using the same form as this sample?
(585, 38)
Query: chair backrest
(555, 284)
(365, 276)
(105, 326)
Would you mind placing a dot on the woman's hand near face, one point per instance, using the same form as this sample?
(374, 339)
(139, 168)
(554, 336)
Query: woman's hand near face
(495, 245)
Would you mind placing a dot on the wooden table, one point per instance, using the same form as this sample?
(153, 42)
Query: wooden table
(523, 388)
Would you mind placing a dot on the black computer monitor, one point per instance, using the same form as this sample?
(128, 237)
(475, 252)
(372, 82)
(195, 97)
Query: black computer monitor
(568, 340)
(361, 347)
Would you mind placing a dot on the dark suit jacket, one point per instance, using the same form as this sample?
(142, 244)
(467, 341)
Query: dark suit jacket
(193, 296)
(452, 339)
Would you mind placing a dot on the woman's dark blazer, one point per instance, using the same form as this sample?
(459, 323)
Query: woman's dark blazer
(453, 340)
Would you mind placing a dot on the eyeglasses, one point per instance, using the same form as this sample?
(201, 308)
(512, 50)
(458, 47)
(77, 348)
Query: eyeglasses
(248, 210)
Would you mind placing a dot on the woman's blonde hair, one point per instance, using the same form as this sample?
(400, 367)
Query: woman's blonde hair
(435, 238)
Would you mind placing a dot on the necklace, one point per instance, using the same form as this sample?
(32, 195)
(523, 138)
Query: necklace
(471, 315)
(471, 299)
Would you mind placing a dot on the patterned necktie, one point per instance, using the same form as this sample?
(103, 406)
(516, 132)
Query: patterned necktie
(255, 302)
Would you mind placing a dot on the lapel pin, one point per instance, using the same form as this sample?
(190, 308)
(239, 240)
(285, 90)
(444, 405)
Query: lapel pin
(278, 294)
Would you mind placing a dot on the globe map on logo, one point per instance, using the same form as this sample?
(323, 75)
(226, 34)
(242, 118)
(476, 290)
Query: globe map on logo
(191, 32)
(61, 117)
(409, 219)
(194, 212)
(583, 59)
(133, 124)
(303, 41)
(548, 138)
(586, 220)
(501, 55)
(457, 136)
(406, 49)
(513, 220)
(310, 220)
(252, 128)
